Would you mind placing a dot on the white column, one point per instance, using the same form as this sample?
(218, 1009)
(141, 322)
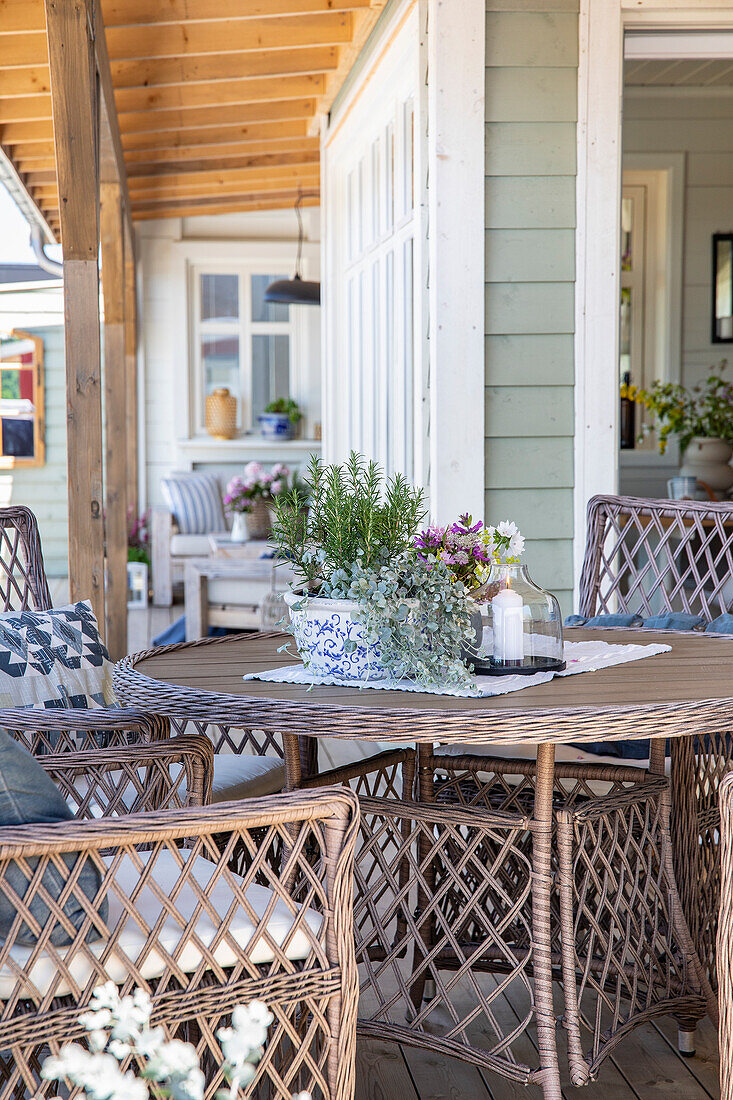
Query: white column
(456, 228)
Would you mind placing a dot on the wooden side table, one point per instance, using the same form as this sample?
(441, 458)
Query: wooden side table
(230, 593)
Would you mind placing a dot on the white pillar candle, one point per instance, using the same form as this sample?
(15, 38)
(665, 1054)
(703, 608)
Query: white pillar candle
(507, 608)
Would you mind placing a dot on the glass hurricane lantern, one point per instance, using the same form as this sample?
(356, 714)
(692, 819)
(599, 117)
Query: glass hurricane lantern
(522, 626)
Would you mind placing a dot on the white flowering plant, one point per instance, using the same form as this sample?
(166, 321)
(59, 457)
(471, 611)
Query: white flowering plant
(119, 1027)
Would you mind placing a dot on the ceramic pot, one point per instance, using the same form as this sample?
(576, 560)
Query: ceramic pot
(259, 520)
(221, 414)
(277, 426)
(239, 531)
(707, 460)
(322, 627)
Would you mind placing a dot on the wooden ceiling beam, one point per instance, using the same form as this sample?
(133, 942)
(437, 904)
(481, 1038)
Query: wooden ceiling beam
(23, 50)
(13, 132)
(216, 176)
(268, 160)
(288, 195)
(39, 177)
(30, 157)
(22, 16)
(217, 93)
(146, 214)
(121, 12)
(34, 108)
(194, 118)
(229, 36)
(306, 182)
(25, 82)
(185, 139)
(220, 154)
(185, 70)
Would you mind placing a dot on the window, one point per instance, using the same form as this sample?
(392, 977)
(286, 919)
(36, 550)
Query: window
(240, 341)
(374, 240)
(21, 400)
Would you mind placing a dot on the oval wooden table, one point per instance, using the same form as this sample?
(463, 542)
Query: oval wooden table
(526, 870)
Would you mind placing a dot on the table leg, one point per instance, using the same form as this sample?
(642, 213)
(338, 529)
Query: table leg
(196, 602)
(293, 763)
(541, 943)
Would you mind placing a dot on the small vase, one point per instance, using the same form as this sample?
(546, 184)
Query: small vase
(239, 531)
(221, 414)
(708, 461)
(259, 520)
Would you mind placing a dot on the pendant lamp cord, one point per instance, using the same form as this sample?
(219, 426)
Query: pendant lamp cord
(300, 232)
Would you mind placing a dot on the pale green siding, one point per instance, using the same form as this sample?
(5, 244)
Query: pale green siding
(44, 488)
(531, 109)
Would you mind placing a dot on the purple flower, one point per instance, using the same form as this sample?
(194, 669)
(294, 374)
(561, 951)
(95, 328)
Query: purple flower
(431, 538)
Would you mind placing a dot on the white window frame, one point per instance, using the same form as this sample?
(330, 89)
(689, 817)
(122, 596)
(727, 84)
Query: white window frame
(244, 328)
(373, 384)
(250, 257)
(598, 190)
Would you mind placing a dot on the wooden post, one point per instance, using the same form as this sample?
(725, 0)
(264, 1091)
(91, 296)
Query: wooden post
(131, 377)
(75, 103)
(115, 417)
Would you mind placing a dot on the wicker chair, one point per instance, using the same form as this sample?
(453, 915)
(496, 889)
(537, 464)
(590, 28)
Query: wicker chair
(725, 939)
(23, 584)
(652, 556)
(197, 935)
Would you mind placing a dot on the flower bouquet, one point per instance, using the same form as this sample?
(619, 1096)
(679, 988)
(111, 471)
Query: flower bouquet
(250, 495)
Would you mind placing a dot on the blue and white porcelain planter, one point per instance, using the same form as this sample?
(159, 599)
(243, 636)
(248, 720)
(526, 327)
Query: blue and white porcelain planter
(322, 628)
(277, 426)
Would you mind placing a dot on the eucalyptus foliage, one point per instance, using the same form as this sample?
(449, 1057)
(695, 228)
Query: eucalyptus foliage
(343, 514)
(413, 612)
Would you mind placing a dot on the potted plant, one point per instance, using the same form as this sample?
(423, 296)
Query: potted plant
(370, 606)
(280, 419)
(248, 498)
(702, 419)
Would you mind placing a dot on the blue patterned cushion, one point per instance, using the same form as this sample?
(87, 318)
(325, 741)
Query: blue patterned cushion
(600, 621)
(54, 659)
(195, 501)
(674, 620)
(722, 625)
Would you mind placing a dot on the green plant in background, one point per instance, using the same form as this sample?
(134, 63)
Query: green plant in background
(706, 410)
(286, 407)
(352, 514)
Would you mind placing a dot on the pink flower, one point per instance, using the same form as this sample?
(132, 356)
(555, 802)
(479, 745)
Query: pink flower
(253, 471)
(276, 487)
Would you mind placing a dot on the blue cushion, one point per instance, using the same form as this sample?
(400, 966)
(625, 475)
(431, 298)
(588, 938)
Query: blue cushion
(600, 621)
(673, 620)
(176, 633)
(622, 750)
(27, 795)
(54, 658)
(722, 625)
(195, 501)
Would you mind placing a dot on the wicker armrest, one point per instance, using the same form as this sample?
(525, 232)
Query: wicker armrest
(62, 728)
(144, 777)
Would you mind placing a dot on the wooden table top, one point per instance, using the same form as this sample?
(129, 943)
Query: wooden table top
(689, 689)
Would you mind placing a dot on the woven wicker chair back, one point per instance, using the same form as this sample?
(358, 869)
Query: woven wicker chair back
(23, 581)
(652, 556)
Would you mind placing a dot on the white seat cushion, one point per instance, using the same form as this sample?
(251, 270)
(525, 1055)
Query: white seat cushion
(146, 911)
(191, 546)
(245, 776)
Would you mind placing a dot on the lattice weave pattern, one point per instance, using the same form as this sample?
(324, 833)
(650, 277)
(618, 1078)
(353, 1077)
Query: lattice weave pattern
(23, 581)
(283, 934)
(650, 556)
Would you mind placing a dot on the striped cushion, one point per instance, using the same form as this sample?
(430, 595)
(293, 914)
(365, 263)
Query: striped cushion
(195, 501)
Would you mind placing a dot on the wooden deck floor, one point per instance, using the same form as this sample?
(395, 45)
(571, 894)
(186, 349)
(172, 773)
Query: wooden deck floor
(646, 1067)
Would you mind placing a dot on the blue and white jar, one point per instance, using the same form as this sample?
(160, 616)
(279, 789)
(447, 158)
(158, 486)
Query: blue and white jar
(322, 629)
(276, 426)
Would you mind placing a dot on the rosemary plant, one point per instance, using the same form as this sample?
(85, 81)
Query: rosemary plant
(344, 514)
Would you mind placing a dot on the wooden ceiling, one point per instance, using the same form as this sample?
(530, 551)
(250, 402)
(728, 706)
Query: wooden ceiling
(217, 100)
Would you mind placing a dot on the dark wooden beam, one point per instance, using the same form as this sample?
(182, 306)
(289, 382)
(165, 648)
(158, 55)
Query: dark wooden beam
(131, 406)
(75, 115)
(115, 415)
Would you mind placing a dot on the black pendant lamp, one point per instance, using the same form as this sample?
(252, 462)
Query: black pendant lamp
(296, 291)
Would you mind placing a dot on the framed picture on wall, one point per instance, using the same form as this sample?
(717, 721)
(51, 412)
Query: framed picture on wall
(722, 289)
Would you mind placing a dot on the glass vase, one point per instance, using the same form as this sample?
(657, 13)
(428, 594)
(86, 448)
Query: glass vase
(522, 626)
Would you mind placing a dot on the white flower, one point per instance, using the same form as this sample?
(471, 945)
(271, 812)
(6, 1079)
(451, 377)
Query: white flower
(506, 528)
(516, 546)
(253, 471)
(301, 1096)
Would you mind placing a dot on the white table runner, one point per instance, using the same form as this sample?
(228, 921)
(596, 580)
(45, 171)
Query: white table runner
(580, 657)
